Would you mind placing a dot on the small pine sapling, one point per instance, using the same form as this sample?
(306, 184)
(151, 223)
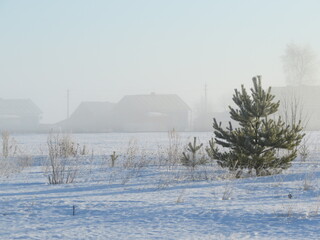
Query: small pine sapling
(192, 160)
(113, 157)
(84, 150)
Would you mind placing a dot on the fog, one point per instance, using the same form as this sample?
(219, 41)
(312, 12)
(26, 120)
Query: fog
(102, 51)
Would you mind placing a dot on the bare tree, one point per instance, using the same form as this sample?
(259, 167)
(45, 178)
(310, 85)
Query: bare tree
(292, 109)
(299, 65)
(293, 112)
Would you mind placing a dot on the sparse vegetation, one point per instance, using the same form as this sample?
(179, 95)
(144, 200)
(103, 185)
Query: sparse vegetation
(227, 192)
(180, 198)
(9, 145)
(173, 151)
(130, 155)
(304, 151)
(162, 183)
(11, 158)
(133, 161)
(309, 181)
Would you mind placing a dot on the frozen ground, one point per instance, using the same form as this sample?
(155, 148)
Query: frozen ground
(156, 201)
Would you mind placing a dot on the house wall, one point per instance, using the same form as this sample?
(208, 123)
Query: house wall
(303, 101)
(139, 121)
(19, 123)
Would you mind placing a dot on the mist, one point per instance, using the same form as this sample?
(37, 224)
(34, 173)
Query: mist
(103, 51)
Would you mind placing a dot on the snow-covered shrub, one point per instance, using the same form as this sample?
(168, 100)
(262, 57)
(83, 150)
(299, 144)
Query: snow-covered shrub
(9, 145)
(180, 198)
(170, 155)
(309, 181)
(11, 158)
(63, 154)
(134, 159)
(130, 156)
(174, 148)
(304, 151)
(227, 192)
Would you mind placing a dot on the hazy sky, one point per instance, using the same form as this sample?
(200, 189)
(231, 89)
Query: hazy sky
(103, 50)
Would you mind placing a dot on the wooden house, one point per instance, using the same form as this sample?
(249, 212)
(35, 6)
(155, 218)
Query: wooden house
(153, 112)
(19, 115)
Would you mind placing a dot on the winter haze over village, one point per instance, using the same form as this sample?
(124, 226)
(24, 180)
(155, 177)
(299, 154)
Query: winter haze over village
(159, 119)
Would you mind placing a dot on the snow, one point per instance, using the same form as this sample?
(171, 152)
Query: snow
(152, 201)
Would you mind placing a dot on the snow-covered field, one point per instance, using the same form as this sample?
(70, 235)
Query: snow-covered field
(151, 198)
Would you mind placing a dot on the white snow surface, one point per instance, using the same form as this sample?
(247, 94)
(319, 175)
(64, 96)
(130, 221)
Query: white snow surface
(156, 201)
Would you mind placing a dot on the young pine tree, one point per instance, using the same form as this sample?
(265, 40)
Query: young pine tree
(193, 158)
(254, 144)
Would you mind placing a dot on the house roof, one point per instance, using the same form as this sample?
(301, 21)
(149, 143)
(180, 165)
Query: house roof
(152, 103)
(18, 107)
(92, 109)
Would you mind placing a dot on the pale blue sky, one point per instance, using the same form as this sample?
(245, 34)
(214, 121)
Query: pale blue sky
(103, 50)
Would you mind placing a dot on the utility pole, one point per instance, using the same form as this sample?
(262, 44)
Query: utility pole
(68, 102)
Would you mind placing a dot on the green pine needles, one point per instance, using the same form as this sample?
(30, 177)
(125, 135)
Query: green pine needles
(193, 158)
(261, 142)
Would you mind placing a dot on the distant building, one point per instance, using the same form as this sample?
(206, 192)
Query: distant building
(19, 115)
(301, 102)
(90, 117)
(134, 113)
(153, 112)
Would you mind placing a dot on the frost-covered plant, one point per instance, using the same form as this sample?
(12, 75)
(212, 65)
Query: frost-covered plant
(174, 147)
(11, 158)
(180, 198)
(9, 145)
(169, 155)
(134, 160)
(131, 153)
(62, 165)
(227, 192)
(309, 181)
(66, 147)
(314, 211)
(304, 151)
(278, 180)
(84, 150)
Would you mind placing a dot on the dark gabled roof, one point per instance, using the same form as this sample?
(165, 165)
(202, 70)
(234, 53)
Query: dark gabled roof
(18, 107)
(152, 103)
(92, 109)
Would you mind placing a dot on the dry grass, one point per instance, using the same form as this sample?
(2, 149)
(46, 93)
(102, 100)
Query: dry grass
(12, 160)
